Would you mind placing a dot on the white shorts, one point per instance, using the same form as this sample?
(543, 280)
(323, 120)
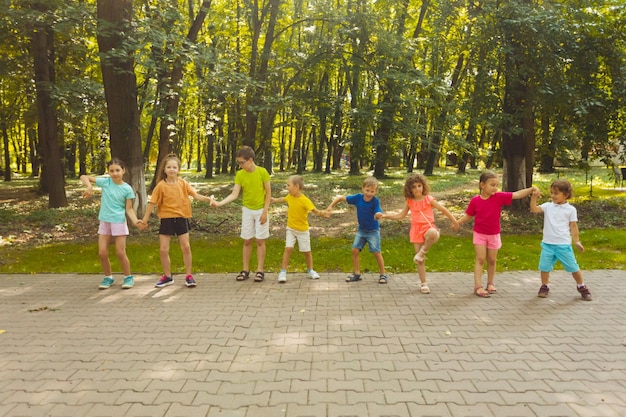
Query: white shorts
(251, 226)
(303, 237)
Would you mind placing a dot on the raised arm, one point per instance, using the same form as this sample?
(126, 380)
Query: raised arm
(534, 208)
(523, 193)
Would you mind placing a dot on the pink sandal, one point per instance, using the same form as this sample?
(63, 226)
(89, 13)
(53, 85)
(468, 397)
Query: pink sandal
(484, 293)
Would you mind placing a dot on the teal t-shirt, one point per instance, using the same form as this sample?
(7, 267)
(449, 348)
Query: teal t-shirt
(113, 201)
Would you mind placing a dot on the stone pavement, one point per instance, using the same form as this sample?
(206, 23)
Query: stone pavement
(312, 348)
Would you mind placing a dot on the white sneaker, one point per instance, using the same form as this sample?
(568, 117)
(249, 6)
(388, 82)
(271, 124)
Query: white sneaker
(282, 276)
(313, 274)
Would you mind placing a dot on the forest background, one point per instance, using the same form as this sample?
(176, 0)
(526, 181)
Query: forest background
(515, 85)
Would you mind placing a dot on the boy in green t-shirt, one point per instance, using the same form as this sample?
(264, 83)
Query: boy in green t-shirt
(298, 210)
(254, 181)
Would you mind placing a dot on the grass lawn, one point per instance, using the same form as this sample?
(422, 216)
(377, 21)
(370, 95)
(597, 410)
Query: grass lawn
(34, 239)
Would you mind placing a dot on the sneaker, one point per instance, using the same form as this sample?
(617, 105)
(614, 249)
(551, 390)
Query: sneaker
(585, 293)
(129, 282)
(189, 281)
(164, 281)
(106, 283)
(282, 276)
(543, 291)
(313, 274)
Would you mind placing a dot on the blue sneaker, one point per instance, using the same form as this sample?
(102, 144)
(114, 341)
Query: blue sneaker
(165, 281)
(106, 283)
(129, 282)
(189, 281)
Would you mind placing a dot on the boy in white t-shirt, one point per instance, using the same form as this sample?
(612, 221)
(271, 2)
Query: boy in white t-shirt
(560, 226)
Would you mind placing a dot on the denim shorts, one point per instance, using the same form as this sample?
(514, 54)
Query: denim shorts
(371, 237)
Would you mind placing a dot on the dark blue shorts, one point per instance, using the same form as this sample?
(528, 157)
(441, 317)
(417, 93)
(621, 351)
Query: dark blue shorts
(174, 226)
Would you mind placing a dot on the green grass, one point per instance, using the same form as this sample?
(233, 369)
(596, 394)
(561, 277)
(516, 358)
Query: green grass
(217, 248)
(221, 255)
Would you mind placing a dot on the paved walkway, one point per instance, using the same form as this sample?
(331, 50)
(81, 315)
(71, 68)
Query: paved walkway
(312, 348)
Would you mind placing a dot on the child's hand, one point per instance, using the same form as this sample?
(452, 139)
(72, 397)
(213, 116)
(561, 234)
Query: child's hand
(378, 216)
(141, 225)
(536, 192)
(456, 226)
(579, 246)
(88, 192)
(325, 214)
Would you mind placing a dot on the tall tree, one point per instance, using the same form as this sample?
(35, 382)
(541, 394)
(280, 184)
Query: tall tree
(52, 180)
(120, 90)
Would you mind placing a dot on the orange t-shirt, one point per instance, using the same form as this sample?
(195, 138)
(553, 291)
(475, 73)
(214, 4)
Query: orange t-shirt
(172, 200)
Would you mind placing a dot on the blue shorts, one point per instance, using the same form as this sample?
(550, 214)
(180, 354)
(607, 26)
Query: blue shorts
(552, 253)
(371, 237)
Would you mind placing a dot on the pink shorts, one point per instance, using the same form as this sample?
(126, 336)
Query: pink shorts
(418, 231)
(113, 229)
(491, 241)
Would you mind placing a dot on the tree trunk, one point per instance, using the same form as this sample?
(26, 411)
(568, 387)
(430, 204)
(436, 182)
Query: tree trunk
(52, 180)
(120, 91)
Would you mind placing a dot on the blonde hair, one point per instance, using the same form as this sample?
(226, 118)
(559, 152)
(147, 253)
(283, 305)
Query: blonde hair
(297, 180)
(412, 179)
(370, 182)
(162, 176)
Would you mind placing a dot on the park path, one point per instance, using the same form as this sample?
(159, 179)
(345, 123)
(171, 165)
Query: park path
(307, 348)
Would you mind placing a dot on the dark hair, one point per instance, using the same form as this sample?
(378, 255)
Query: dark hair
(245, 152)
(412, 179)
(484, 177)
(116, 161)
(162, 176)
(563, 186)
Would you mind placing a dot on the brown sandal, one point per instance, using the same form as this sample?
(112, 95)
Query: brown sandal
(259, 277)
(243, 275)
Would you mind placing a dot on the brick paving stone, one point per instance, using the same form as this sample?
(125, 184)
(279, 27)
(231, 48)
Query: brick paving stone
(312, 348)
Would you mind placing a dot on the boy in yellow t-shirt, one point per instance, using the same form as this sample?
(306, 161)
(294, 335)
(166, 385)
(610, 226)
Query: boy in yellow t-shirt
(254, 181)
(298, 208)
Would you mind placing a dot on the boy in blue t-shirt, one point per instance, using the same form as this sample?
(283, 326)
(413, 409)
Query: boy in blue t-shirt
(368, 212)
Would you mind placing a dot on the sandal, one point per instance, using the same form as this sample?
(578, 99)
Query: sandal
(383, 279)
(484, 293)
(424, 288)
(243, 275)
(259, 277)
(353, 277)
(491, 288)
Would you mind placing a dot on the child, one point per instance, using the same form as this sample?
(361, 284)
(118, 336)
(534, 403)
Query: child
(171, 197)
(486, 209)
(368, 213)
(254, 181)
(423, 233)
(298, 210)
(116, 203)
(560, 225)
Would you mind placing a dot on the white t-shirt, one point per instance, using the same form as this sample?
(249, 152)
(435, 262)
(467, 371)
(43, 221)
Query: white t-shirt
(556, 220)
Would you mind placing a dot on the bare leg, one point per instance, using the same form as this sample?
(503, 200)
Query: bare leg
(120, 252)
(185, 247)
(260, 254)
(103, 254)
(164, 253)
(545, 278)
(286, 256)
(492, 257)
(356, 267)
(247, 253)
(421, 266)
(308, 257)
(380, 261)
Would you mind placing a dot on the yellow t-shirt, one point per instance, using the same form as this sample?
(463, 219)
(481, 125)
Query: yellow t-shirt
(298, 212)
(172, 200)
(253, 187)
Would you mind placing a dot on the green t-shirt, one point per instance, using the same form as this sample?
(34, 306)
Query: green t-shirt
(253, 187)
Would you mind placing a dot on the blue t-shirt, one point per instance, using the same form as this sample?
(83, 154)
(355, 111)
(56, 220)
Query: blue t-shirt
(113, 201)
(365, 211)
